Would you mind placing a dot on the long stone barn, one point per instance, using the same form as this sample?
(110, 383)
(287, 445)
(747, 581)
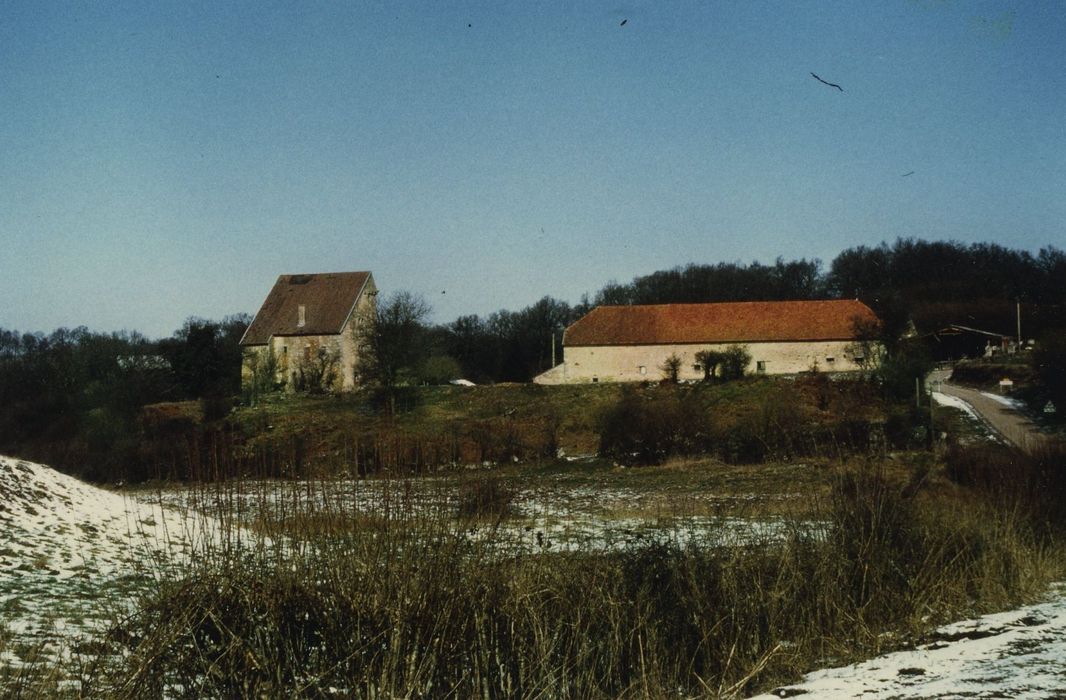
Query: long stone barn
(631, 343)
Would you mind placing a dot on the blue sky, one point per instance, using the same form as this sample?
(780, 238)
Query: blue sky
(159, 161)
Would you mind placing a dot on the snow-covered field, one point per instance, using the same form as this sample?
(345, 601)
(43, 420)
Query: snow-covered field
(1016, 654)
(542, 515)
(71, 554)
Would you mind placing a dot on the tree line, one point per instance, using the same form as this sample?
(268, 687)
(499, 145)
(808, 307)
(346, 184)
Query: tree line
(929, 283)
(82, 388)
(76, 396)
(910, 284)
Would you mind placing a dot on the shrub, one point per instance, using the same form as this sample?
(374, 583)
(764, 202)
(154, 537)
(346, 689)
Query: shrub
(728, 364)
(261, 369)
(215, 408)
(897, 373)
(648, 427)
(988, 374)
(671, 368)
(1033, 482)
(319, 372)
(735, 360)
(709, 360)
(1049, 363)
(439, 369)
(486, 497)
(743, 445)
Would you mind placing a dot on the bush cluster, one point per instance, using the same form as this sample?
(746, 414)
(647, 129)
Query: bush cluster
(1032, 482)
(647, 427)
(650, 425)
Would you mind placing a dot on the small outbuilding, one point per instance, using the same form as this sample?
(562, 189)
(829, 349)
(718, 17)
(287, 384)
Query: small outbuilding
(957, 342)
(632, 343)
(306, 329)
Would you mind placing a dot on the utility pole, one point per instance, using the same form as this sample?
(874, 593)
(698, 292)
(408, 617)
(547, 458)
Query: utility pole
(932, 423)
(1018, 315)
(553, 348)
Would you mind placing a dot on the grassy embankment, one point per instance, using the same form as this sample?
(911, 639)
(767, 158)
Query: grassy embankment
(873, 547)
(743, 422)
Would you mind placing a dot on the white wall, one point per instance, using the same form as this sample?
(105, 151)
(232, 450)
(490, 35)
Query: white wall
(623, 363)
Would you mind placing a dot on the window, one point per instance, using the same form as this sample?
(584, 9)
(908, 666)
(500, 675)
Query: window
(760, 366)
(697, 368)
(595, 380)
(830, 359)
(307, 353)
(301, 319)
(643, 369)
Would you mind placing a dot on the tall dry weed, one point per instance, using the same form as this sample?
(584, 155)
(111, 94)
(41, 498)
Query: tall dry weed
(436, 607)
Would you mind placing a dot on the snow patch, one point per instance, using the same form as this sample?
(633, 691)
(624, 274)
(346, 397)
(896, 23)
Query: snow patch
(71, 554)
(1005, 400)
(955, 402)
(1015, 654)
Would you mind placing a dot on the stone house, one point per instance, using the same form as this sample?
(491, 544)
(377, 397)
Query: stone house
(308, 326)
(631, 343)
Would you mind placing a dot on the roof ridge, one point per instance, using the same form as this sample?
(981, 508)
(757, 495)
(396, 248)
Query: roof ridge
(318, 303)
(720, 322)
(747, 301)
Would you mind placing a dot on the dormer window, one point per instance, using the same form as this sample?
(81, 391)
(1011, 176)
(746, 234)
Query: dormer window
(301, 318)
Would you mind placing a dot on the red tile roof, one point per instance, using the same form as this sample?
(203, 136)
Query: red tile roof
(734, 322)
(327, 298)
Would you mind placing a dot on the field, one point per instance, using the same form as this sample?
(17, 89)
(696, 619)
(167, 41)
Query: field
(521, 575)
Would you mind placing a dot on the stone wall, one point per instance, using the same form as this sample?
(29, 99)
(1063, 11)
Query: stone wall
(634, 363)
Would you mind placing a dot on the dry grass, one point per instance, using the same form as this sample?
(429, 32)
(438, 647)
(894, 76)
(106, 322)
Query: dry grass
(414, 606)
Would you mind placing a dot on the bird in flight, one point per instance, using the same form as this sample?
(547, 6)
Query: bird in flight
(906, 174)
(623, 22)
(827, 82)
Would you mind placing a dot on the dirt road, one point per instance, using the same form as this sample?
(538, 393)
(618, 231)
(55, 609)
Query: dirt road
(1004, 418)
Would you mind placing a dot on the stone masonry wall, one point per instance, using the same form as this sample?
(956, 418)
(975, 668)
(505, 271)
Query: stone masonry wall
(634, 363)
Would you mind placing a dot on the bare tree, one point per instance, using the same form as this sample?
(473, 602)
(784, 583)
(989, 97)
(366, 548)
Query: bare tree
(319, 371)
(262, 370)
(709, 360)
(671, 368)
(392, 340)
(735, 360)
(868, 350)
